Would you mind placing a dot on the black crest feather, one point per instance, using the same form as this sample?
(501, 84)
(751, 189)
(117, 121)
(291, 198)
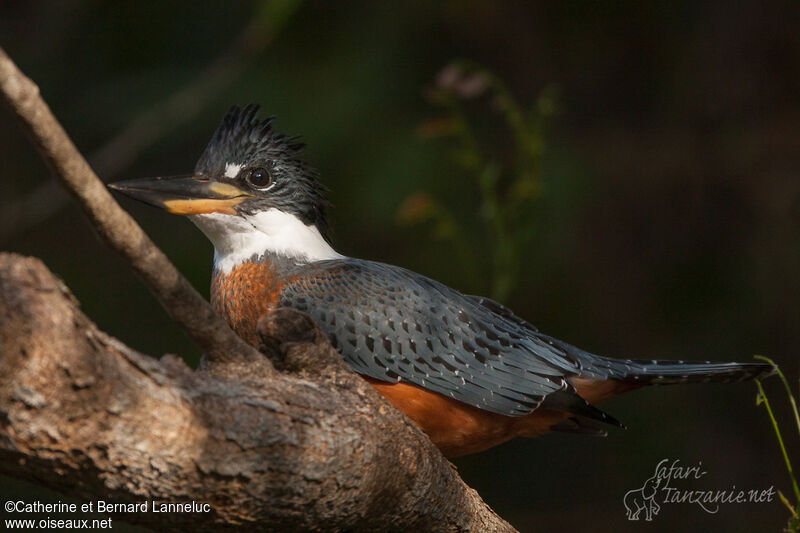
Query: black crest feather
(244, 139)
(242, 135)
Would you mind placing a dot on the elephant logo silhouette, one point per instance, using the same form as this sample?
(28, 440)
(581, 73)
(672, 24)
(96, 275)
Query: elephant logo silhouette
(643, 499)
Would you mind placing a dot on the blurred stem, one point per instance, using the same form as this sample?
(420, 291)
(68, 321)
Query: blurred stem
(506, 195)
(788, 504)
(503, 250)
(765, 400)
(789, 393)
(473, 158)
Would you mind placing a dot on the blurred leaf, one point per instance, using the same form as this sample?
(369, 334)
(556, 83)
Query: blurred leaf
(437, 127)
(416, 208)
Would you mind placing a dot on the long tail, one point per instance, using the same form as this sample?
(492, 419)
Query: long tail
(600, 378)
(661, 371)
(668, 372)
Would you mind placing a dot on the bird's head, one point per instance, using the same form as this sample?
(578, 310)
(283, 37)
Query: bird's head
(249, 193)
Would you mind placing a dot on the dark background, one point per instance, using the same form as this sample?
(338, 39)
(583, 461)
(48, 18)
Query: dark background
(668, 226)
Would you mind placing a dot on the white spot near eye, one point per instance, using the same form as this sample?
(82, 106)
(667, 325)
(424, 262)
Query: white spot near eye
(232, 170)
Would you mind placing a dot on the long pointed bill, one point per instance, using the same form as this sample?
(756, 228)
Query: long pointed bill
(184, 195)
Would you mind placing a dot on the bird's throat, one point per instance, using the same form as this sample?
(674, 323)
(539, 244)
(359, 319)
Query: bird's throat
(239, 239)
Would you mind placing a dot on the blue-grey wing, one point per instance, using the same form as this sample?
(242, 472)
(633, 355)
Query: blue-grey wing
(395, 325)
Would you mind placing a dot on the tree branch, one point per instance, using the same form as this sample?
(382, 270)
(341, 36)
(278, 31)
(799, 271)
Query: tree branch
(115, 226)
(315, 448)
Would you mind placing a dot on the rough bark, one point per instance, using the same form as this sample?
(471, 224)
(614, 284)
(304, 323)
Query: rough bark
(308, 447)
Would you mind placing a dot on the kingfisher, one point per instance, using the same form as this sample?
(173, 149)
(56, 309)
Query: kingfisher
(466, 369)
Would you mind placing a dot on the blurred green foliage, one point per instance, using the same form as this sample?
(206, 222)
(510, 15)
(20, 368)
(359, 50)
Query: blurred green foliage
(508, 190)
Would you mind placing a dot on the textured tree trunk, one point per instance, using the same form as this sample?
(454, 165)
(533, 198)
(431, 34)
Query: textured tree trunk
(310, 446)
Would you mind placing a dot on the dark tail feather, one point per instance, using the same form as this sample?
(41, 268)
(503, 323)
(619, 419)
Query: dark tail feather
(667, 372)
(580, 425)
(661, 372)
(569, 402)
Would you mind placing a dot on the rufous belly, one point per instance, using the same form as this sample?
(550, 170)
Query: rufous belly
(460, 429)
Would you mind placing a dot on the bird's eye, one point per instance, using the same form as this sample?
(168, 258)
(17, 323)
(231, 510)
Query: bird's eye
(260, 178)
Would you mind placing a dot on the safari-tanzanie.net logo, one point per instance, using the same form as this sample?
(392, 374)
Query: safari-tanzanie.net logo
(672, 483)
